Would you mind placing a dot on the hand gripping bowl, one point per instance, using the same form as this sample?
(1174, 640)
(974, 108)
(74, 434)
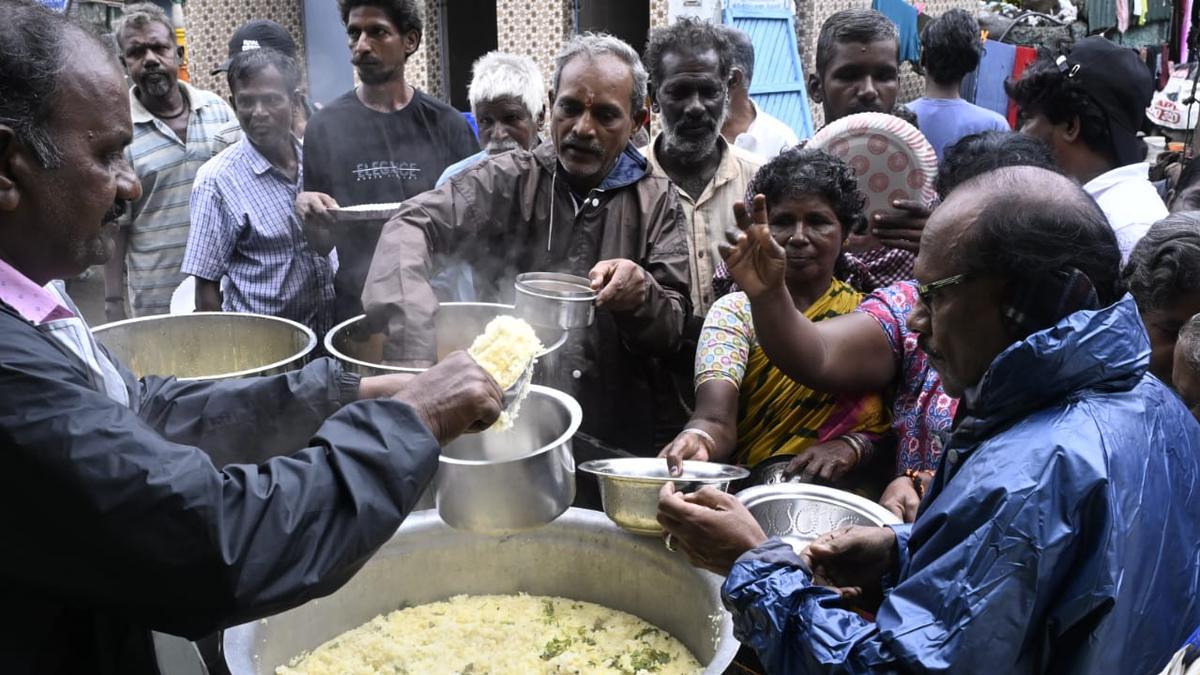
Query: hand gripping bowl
(798, 513)
(581, 556)
(499, 482)
(629, 486)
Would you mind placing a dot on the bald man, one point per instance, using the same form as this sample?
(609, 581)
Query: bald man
(1057, 513)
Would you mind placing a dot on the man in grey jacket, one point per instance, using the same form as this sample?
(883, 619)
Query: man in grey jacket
(587, 204)
(121, 505)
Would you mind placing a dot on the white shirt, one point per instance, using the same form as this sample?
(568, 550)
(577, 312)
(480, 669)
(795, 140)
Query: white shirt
(1129, 201)
(767, 136)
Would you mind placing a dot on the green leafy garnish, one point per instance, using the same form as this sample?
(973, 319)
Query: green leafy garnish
(555, 647)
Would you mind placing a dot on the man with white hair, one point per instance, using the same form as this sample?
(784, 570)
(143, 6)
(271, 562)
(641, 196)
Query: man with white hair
(508, 99)
(507, 95)
(587, 204)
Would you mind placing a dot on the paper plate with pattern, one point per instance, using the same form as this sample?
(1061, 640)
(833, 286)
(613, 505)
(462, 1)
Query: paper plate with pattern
(892, 158)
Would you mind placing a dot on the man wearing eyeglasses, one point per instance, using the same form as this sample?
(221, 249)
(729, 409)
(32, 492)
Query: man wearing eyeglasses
(1062, 503)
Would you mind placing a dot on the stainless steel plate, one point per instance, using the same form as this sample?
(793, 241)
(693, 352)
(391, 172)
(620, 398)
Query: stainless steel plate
(798, 513)
(365, 213)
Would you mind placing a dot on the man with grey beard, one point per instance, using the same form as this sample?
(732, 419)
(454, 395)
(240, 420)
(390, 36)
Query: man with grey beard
(175, 130)
(690, 64)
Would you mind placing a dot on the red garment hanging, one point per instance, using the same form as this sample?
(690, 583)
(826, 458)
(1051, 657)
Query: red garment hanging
(1025, 56)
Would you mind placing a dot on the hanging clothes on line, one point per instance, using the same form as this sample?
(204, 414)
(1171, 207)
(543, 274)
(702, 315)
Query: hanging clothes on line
(904, 16)
(995, 67)
(1024, 57)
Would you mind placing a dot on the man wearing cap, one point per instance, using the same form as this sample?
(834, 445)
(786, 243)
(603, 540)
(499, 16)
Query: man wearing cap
(174, 132)
(246, 248)
(1087, 106)
(263, 34)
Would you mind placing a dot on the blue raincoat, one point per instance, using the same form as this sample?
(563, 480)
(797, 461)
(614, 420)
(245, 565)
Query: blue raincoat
(1061, 534)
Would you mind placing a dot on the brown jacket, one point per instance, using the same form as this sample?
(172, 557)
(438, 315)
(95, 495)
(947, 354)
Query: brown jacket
(511, 214)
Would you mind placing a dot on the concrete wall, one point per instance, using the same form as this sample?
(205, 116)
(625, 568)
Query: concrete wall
(212, 22)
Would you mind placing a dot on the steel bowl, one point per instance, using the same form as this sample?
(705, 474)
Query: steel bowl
(580, 556)
(629, 486)
(555, 300)
(499, 482)
(457, 324)
(798, 513)
(208, 345)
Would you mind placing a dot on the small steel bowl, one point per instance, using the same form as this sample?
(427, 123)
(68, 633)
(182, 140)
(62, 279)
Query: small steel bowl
(798, 513)
(629, 486)
(555, 300)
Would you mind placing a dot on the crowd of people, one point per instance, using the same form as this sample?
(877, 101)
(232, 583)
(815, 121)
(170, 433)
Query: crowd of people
(1013, 370)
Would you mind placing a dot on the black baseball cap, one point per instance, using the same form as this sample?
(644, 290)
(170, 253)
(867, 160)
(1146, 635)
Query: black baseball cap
(258, 34)
(1117, 80)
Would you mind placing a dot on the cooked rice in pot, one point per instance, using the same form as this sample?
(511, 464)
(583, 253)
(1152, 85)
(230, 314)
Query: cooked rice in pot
(500, 635)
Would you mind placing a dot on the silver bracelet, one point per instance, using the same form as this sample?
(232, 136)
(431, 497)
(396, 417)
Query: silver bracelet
(712, 442)
(856, 444)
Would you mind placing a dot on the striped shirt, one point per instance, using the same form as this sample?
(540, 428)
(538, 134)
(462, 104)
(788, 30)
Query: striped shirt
(710, 217)
(158, 222)
(245, 233)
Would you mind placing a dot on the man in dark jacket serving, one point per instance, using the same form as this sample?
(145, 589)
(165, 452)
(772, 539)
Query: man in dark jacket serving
(120, 510)
(586, 204)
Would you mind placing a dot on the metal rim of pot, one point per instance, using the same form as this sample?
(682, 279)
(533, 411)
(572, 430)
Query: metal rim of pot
(574, 411)
(728, 472)
(340, 355)
(584, 294)
(309, 344)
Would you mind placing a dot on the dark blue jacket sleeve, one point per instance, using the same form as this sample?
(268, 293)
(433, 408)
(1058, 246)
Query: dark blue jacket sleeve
(246, 420)
(966, 601)
(100, 511)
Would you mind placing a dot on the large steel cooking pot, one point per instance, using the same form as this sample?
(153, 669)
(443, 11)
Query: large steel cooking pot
(208, 345)
(581, 556)
(457, 325)
(499, 482)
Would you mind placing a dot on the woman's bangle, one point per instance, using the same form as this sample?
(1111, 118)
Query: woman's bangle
(868, 446)
(863, 447)
(855, 445)
(708, 439)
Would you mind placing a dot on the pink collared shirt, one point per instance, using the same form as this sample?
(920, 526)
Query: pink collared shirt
(34, 303)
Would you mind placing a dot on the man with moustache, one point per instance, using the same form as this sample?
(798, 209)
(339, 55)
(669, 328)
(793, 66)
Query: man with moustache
(246, 248)
(508, 99)
(586, 203)
(691, 66)
(507, 96)
(176, 129)
(382, 142)
(122, 502)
